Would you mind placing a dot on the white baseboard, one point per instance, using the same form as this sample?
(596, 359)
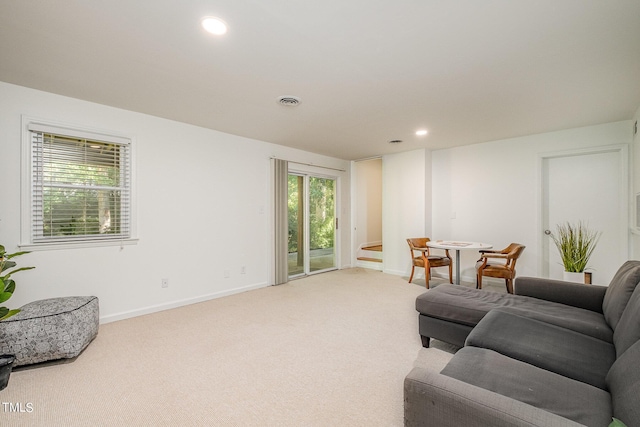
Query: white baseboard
(370, 265)
(396, 272)
(175, 304)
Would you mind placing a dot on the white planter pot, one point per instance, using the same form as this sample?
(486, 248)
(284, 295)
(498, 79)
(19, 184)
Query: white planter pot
(570, 276)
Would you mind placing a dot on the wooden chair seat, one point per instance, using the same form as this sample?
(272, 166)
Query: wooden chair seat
(499, 271)
(434, 261)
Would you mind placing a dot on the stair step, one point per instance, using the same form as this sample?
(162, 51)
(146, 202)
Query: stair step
(362, 258)
(376, 248)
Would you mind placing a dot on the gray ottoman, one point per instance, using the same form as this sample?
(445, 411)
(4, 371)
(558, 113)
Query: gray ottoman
(50, 329)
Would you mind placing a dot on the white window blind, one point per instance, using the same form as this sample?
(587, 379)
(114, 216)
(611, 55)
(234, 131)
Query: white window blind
(80, 186)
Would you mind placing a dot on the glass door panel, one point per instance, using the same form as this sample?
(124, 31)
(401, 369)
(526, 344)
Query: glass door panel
(296, 206)
(322, 224)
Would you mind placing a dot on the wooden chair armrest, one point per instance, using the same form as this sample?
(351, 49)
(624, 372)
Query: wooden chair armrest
(488, 251)
(495, 255)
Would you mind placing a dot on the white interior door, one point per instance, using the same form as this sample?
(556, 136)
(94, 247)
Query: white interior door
(588, 186)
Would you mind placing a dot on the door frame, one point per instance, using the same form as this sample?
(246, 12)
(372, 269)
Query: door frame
(355, 186)
(306, 237)
(623, 160)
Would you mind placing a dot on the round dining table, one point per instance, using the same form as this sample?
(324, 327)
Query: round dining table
(457, 246)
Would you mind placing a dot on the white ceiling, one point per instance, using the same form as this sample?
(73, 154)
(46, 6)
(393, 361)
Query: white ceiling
(367, 71)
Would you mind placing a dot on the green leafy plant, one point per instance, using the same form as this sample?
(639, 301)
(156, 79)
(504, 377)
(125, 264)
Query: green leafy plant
(8, 285)
(617, 423)
(576, 243)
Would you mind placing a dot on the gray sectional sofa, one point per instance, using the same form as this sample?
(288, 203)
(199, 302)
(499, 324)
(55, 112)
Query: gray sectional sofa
(554, 354)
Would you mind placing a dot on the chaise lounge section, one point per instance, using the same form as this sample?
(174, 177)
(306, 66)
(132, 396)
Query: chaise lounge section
(556, 353)
(449, 313)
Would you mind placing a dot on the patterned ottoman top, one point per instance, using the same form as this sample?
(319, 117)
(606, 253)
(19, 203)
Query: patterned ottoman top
(50, 329)
(49, 307)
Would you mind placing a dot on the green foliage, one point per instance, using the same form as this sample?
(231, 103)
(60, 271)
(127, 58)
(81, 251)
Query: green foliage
(77, 211)
(295, 216)
(8, 285)
(576, 243)
(321, 212)
(321, 216)
(617, 423)
(80, 194)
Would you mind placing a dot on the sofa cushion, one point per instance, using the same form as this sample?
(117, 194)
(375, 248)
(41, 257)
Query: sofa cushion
(628, 330)
(576, 319)
(619, 292)
(565, 352)
(526, 383)
(569, 293)
(623, 381)
(468, 306)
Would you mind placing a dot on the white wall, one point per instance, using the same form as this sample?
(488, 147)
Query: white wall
(406, 206)
(203, 207)
(492, 189)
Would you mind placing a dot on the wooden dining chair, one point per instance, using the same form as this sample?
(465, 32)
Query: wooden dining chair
(425, 259)
(499, 264)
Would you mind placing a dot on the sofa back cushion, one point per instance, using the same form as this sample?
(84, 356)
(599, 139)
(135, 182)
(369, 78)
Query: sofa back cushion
(619, 292)
(628, 330)
(623, 381)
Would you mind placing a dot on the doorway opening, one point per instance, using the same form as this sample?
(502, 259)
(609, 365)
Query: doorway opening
(367, 206)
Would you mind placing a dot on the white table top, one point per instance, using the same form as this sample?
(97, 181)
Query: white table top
(457, 245)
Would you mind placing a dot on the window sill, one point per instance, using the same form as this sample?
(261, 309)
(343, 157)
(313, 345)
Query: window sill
(77, 245)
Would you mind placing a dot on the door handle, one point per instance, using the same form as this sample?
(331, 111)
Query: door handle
(547, 232)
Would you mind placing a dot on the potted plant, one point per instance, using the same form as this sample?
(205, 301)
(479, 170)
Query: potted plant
(576, 243)
(7, 287)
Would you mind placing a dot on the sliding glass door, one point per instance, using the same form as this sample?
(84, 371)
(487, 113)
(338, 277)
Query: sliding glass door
(312, 224)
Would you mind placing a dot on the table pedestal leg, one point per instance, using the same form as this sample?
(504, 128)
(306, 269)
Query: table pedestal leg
(457, 266)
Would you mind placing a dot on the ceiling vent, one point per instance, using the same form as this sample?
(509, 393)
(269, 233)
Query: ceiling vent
(289, 101)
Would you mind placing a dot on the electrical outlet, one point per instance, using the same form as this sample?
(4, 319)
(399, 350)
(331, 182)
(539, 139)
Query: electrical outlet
(165, 283)
(243, 270)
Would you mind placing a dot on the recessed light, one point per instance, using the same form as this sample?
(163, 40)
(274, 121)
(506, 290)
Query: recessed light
(214, 25)
(395, 141)
(421, 132)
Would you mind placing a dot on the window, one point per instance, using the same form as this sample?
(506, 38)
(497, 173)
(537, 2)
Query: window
(80, 186)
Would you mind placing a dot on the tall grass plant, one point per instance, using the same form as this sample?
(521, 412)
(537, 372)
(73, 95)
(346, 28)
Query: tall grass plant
(576, 243)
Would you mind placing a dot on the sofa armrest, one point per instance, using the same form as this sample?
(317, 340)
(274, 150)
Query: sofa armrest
(578, 295)
(432, 399)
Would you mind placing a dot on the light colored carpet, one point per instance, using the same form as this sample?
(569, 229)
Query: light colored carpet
(328, 350)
